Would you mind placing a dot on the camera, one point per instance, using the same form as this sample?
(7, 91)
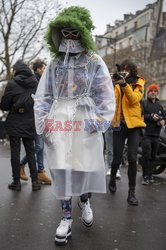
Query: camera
(116, 77)
(119, 76)
(159, 120)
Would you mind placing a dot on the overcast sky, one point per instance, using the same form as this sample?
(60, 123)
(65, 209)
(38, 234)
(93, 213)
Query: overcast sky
(107, 11)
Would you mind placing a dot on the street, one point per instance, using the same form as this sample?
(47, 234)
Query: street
(28, 220)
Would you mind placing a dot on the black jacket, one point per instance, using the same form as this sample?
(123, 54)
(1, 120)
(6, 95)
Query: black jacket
(37, 76)
(23, 83)
(153, 127)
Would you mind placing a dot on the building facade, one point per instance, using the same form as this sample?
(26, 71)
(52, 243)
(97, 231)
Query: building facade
(137, 37)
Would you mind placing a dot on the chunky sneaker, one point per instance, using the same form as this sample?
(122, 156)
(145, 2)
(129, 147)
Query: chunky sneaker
(108, 172)
(22, 174)
(145, 181)
(63, 232)
(87, 213)
(43, 178)
(15, 186)
(35, 186)
(118, 175)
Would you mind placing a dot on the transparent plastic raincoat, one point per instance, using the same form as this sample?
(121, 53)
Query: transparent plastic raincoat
(69, 99)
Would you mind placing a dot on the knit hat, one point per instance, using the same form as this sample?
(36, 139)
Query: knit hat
(73, 17)
(153, 86)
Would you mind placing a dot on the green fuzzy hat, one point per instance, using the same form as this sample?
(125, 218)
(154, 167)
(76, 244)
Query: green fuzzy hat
(73, 17)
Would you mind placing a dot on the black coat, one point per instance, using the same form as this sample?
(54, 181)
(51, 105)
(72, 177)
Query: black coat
(153, 127)
(23, 83)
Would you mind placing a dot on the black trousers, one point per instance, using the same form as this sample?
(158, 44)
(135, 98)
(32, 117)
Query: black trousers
(15, 147)
(133, 137)
(149, 151)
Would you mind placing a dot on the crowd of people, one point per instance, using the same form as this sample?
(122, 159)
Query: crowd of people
(75, 89)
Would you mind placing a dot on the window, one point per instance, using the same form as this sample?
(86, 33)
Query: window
(120, 46)
(164, 46)
(163, 92)
(159, 68)
(152, 15)
(144, 19)
(130, 41)
(135, 25)
(125, 30)
(164, 66)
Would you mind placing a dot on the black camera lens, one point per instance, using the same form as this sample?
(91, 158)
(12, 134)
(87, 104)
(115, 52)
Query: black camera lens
(116, 77)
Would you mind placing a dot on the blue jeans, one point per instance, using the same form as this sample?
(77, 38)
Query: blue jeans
(109, 145)
(39, 147)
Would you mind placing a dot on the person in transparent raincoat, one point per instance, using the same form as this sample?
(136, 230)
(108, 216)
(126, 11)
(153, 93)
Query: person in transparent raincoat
(74, 104)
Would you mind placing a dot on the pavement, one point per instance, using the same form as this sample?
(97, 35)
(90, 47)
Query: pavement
(28, 220)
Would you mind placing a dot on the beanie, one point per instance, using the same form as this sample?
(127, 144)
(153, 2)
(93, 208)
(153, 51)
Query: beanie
(153, 86)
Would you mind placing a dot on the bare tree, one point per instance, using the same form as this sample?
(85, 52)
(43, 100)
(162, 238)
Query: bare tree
(22, 27)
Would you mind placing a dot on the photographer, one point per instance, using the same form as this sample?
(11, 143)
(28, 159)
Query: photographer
(129, 89)
(154, 118)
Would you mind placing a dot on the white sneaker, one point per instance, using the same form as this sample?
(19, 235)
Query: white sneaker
(87, 213)
(118, 175)
(108, 172)
(63, 232)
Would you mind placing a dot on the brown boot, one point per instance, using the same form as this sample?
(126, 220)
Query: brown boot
(23, 174)
(43, 178)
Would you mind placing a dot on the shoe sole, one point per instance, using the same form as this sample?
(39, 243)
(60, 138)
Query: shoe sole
(111, 191)
(63, 240)
(87, 224)
(36, 189)
(18, 189)
(132, 204)
(23, 179)
(44, 182)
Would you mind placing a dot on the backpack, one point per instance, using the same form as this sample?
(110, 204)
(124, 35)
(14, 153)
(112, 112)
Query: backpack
(25, 102)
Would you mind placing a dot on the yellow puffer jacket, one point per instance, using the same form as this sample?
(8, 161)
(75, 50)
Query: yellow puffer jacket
(130, 104)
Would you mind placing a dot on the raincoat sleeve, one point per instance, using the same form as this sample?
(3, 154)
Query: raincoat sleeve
(103, 93)
(43, 98)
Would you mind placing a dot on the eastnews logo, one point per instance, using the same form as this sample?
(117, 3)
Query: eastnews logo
(88, 125)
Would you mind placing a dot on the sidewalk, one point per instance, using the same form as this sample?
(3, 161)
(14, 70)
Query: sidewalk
(28, 220)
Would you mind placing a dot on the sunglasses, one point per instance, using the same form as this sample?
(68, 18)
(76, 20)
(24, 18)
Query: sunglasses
(66, 32)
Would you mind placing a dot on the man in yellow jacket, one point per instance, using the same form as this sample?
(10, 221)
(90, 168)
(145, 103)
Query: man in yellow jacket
(129, 89)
